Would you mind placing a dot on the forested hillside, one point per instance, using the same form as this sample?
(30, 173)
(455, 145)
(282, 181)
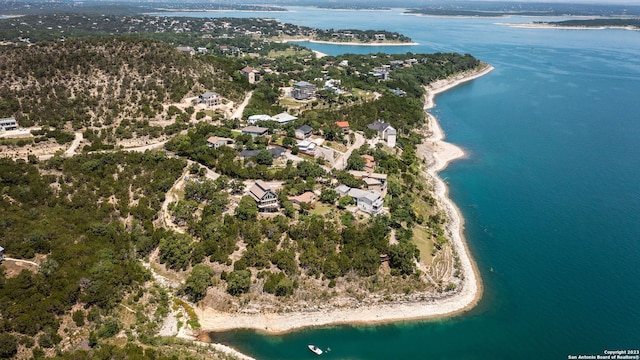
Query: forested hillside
(100, 81)
(88, 220)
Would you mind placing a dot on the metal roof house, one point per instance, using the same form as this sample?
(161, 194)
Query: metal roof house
(303, 132)
(255, 131)
(303, 90)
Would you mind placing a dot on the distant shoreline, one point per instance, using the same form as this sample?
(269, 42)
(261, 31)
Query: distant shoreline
(350, 43)
(550, 26)
(212, 320)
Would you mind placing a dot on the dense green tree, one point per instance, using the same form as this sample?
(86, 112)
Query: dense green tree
(264, 157)
(238, 282)
(175, 251)
(195, 287)
(247, 209)
(402, 257)
(355, 162)
(8, 345)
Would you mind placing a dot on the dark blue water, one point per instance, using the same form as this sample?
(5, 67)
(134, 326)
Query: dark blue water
(550, 191)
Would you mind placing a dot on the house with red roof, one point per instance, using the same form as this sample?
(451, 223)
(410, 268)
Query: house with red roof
(343, 125)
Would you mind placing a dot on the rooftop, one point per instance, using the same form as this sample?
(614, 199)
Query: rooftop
(254, 129)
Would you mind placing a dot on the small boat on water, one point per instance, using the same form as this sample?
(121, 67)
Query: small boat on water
(315, 349)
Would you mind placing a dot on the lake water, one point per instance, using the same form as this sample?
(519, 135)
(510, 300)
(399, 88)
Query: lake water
(550, 191)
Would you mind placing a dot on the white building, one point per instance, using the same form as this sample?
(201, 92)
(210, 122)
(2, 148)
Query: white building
(284, 118)
(255, 118)
(369, 201)
(210, 98)
(307, 146)
(385, 131)
(8, 124)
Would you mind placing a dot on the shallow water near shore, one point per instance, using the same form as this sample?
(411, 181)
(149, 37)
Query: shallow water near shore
(550, 193)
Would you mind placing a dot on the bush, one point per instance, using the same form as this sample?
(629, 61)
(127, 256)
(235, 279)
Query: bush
(109, 328)
(8, 346)
(195, 288)
(238, 282)
(78, 317)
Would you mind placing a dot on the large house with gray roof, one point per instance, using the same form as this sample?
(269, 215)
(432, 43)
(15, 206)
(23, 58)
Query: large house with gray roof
(369, 201)
(385, 131)
(266, 198)
(303, 90)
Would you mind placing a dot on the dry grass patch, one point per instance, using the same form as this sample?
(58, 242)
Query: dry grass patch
(321, 209)
(422, 240)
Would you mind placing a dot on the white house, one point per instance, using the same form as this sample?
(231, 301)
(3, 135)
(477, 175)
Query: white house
(210, 98)
(284, 118)
(1, 254)
(8, 124)
(385, 131)
(369, 201)
(255, 118)
(307, 146)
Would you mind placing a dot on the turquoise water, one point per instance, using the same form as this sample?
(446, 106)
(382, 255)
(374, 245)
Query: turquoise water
(550, 191)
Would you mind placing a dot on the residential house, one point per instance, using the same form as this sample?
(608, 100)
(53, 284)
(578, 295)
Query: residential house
(307, 146)
(202, 50)
(8, 124)
(265, 197)
(215, 142)
(187, 49)
(369, 163)
(255, 131)
(303, 90)
(253, 75)
(210, 99)
(394, 64)
(411, 61)
(385, 131)
(276, 152)
(255, 118)
(369, 201)
(303, 132)
(307, 198)
(1, 254)
(342, 189)
(399, 92)
(381, 73)
(380, 37)
(284, 118)
(374, 181)
(343, 125)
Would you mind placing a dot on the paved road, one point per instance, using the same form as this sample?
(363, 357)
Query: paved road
(74, 145)
(341, 161)
(238, 113)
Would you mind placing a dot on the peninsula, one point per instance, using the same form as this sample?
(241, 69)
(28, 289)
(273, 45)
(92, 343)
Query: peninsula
(437, 153)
